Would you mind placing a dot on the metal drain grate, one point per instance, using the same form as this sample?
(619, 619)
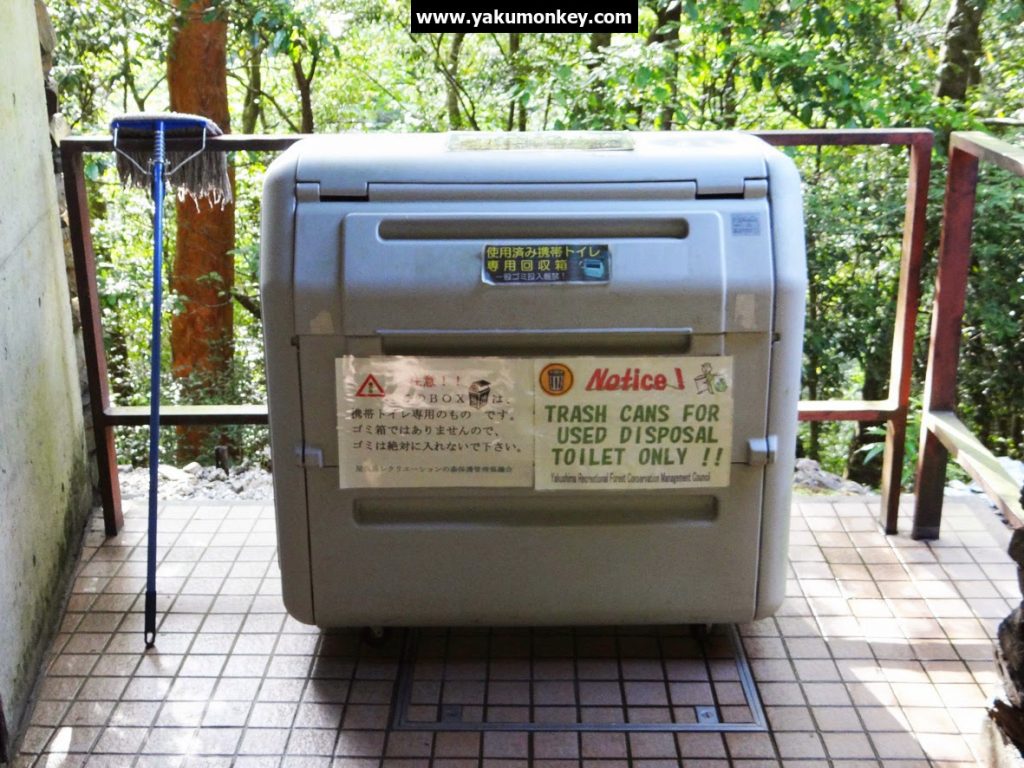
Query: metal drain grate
(676, 678)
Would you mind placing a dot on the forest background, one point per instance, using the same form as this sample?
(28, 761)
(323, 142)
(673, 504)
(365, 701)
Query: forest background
(327, 66)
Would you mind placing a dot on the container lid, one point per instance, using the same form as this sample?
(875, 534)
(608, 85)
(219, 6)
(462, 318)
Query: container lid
(345, 165)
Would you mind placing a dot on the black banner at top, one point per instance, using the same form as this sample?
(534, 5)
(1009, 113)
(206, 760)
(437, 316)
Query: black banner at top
(504, 16)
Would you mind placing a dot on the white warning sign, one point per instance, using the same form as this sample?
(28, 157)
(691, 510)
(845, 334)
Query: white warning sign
(574, 423)
(418, 422)
(627, 422)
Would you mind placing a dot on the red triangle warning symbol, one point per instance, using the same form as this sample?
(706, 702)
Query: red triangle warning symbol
(370, 387)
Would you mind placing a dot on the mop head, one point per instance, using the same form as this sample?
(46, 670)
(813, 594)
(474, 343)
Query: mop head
(205, 175)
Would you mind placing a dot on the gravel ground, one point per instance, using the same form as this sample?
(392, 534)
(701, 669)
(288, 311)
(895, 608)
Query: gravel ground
(809, 477)
(197, 482)
(253, 482)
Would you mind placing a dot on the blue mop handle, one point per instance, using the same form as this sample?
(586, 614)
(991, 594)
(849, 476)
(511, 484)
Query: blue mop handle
(159, 158)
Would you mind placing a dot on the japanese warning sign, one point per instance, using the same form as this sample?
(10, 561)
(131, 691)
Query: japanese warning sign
(434, 421)
(633, 422)
(579, 423)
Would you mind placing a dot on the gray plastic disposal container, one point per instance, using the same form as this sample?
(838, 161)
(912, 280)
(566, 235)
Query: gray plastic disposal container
(532, 379)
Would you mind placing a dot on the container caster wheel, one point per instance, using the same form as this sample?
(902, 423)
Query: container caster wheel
(376, 637)
(703, 631)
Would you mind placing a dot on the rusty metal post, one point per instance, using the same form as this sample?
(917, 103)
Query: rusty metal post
(944, 348)
(908, 296)
(895, 409)
(92, 334)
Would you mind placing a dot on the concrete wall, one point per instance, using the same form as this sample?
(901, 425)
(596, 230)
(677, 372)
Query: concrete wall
(44, 481)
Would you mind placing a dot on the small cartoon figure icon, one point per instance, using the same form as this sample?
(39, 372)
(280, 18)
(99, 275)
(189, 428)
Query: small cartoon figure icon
(709, 382)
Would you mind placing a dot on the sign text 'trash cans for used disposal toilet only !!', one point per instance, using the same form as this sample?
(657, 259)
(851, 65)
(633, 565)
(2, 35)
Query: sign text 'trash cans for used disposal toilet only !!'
(577, 423)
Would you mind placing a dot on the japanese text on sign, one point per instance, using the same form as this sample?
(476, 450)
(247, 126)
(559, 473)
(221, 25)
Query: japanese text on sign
(511, 264)
(579, 423)
(434, 422)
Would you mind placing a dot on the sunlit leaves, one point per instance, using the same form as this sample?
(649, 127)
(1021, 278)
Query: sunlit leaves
(748, 64)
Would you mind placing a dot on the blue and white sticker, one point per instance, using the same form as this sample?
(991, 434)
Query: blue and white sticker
(746, 224)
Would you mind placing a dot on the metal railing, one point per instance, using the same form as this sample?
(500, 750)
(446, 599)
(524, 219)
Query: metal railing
(942, 433)
(892, 411)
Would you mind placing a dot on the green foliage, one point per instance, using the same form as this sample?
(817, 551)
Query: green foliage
(854, 207)
(992, 354)
(122, 240)
(109, 57)
(338, 65)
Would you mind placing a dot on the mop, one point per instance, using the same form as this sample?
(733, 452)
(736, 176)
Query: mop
(194, 173)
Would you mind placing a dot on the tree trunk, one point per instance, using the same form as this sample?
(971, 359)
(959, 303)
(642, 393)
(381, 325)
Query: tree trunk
(203, 271)
(304, 82)
(813, 448)
(513, 50)
(599, 40)
(728, 109)
(451, 82)
(517, 105)
(867, 473)
(669, 16)
(252, 106)
(961, 49)
(591, 112)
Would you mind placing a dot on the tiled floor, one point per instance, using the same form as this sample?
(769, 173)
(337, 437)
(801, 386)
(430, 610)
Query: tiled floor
(881, 655)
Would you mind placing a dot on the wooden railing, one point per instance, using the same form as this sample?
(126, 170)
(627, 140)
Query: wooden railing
(892, 411)
(942, 433)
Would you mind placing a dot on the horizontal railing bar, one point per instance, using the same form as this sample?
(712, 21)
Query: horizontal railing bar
(845, 137)
(990, 149)
(138, 415)
(847, 410)
(228, 143)
(978, 461)
(819, 137)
